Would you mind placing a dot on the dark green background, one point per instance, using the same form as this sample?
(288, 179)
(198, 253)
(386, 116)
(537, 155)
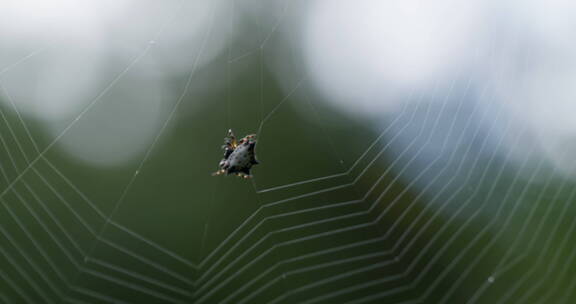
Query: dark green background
(364, 232)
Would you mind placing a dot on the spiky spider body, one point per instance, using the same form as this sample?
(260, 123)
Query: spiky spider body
(239, 157)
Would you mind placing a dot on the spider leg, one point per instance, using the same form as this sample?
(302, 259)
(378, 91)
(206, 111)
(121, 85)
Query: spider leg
(219, 172)
(231, 139)
(227, 151)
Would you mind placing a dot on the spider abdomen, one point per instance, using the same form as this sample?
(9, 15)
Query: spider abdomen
(242, 159)
(239, 157)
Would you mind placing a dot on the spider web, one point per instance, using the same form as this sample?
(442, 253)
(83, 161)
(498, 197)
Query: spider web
(349, 227)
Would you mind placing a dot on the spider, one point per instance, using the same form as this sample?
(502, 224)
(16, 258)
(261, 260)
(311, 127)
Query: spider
(239, 157)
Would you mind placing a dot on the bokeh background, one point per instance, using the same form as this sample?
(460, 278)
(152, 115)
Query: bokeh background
(411, 151)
